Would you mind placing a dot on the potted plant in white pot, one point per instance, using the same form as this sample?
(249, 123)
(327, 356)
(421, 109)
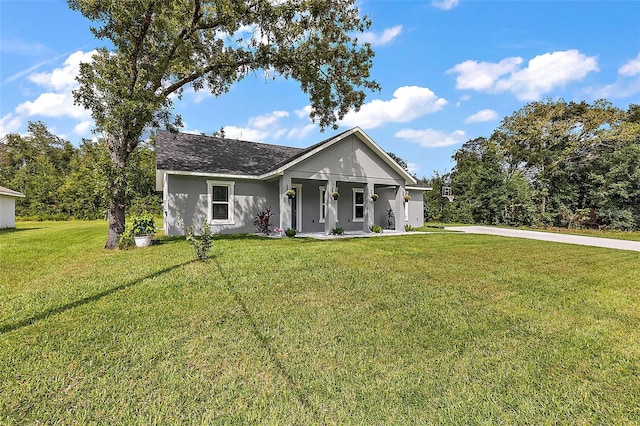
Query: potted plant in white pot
(143, 228)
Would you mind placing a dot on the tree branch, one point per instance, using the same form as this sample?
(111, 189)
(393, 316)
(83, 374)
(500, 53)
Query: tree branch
(138, 42)
(184, 34)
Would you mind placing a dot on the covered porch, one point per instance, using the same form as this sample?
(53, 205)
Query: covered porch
(317, 206)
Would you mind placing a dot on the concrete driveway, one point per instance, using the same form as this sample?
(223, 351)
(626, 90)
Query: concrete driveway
(548, 236)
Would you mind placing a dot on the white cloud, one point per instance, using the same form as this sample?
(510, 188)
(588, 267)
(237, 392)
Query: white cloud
(482, 76)
(9, 124)
(53, 105)
(543, 74)
(301, 132)
(482, 116)
(267, 120)
(547, 72)
(245, 133)
(304, 112)
(63, 78)
(430, 138)
(83, 128)
(631, 68)
(444, 4)
(387, 36)
(408, 103)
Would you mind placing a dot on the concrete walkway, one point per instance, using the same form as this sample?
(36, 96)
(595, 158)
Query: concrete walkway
(548, 236)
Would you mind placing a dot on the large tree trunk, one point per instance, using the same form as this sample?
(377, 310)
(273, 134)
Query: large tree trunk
(116, 213)
(117, 191)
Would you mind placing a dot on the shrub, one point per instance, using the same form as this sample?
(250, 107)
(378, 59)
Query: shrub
(337, 231)
(126, 240)
(409, 228)
(202, 246)
(376, 229)
(263, 221)
(290, 232)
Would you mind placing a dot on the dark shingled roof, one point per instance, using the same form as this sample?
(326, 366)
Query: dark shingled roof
(207, 154)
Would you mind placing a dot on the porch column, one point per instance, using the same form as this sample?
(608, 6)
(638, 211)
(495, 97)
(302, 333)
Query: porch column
(285, 204)
(331, 213)
(369, 207)
(399, 210)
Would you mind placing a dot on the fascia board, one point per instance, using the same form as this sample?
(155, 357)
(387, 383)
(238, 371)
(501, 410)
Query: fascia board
(210, 175)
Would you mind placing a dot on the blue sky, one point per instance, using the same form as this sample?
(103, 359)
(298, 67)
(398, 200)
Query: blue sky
(450, 71)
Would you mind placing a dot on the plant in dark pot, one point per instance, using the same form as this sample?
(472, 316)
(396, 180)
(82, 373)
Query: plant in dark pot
(143, 228)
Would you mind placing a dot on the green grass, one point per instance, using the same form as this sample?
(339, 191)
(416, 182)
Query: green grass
(439, 328)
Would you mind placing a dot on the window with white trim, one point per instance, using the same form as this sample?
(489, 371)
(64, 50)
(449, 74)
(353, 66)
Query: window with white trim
(221, 197)
(358, 204)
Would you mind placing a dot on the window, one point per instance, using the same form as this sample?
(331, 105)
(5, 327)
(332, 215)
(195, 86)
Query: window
(358, 204)
(220, 202)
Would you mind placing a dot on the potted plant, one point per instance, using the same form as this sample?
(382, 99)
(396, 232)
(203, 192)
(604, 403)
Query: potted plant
(290, 232)
(406, 197)
(374, 197)
(143, 228)
(290, 193)
(335, 195)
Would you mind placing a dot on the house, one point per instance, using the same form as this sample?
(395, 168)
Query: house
(227, 182)
(8, 207)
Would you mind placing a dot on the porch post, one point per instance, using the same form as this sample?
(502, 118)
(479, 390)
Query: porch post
(369, 208)
(285, 204)
(330, 217)
(400, 208)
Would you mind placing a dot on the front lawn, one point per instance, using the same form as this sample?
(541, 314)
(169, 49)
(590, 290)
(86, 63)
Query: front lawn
(425, 328)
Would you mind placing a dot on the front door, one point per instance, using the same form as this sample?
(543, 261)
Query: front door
(296, 220)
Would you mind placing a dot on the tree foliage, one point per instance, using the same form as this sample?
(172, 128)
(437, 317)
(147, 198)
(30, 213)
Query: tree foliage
(160, 47)
(554, 163)
(61, 181)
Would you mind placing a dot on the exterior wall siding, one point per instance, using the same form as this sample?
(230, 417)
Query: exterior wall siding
(188, 199)
(7, 212)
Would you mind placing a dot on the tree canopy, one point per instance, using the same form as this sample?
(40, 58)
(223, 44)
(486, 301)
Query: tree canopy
(159, 48)
(554, 163)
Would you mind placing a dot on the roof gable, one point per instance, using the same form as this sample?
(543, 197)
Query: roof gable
(356, 131)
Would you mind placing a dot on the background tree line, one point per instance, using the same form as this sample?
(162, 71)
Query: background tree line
(61, 181)
(551, 163)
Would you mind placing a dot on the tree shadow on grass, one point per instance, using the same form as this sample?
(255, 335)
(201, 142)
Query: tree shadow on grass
(12, 230)
(7, 328)
(282, 370)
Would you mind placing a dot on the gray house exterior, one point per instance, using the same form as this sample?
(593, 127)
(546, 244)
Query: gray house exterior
(228, 182)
